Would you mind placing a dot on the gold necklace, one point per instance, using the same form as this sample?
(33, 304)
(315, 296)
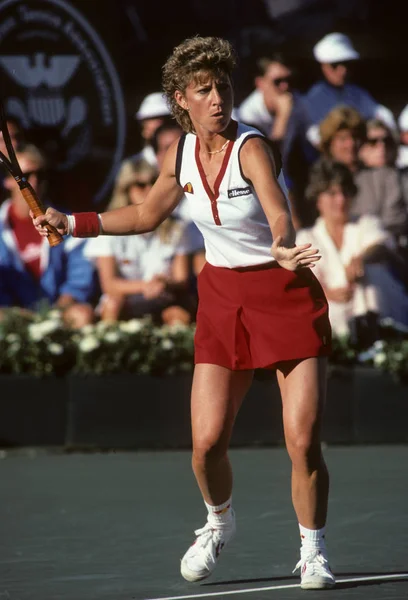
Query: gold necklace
(220, 150)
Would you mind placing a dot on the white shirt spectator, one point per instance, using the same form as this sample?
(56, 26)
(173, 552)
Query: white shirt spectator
(359, 235)
(254, 112)
(141, 257)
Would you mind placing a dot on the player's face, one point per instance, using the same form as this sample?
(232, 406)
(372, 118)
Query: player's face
(209, 101)
(333, 204)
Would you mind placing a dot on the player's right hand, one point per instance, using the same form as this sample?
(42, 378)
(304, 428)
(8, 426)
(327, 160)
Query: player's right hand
(52, 217)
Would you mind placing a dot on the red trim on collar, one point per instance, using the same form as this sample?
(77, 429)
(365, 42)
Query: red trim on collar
(213, 195)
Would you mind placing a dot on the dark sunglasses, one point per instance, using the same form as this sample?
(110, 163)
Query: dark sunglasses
(339, 64)
(142, 184)
(378, 140)
(280, 80)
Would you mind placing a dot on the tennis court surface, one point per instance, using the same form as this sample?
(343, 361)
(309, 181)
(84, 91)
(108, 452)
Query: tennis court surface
(113, 526)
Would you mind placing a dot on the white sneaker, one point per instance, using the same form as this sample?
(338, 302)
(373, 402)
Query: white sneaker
(200, 559)
(315, 573)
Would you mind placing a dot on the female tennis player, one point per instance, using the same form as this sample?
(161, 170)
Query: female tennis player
(260, 305)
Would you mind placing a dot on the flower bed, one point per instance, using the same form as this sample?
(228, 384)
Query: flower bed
(42, 345)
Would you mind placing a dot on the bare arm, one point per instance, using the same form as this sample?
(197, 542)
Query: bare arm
(111, 283)
(258, 166)
(159, 204)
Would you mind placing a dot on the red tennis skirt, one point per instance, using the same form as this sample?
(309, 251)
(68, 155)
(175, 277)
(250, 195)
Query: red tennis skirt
(252, 318)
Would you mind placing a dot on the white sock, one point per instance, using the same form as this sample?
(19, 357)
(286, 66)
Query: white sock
(220, 515)
(312, 539)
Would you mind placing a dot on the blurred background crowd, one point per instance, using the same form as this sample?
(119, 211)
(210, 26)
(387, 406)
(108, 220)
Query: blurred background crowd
(343, 138)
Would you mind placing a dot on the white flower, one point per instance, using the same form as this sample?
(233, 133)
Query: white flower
(380, 358)
(56, 348)
(49, 326)
(379, 344)
(167, 344)
(132, 326)
(35, 332)
(89, 343)
(55, 314)
(112, 337)
(15, 347)
(12, 337)
(178, 327)
(87, 329)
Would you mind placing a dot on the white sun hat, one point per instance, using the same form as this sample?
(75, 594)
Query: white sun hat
(335, 47)
(152, 106)
(403, 119)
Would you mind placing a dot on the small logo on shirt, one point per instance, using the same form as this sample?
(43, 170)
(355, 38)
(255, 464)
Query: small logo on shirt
(188, 188)
(236, 192)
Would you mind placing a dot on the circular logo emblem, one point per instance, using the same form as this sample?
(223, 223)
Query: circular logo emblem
(59, 81)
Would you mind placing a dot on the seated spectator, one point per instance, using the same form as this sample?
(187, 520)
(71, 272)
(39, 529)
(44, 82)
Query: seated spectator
(31, 273)
(152, 113)
(277, 110)
(145, 274)
(379, 192)
(402, 158)
(336, 54)
(379, 149)
(164, 136)
(356, 253)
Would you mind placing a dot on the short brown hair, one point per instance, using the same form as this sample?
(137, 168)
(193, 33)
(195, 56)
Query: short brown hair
(340, 117)
(194, 55)
(326, 173)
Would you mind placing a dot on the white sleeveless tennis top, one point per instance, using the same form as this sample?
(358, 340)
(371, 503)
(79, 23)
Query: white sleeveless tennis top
(232, 221)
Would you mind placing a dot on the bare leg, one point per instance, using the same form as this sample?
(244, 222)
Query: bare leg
(216, 397)
(78, 315)
(303, 390)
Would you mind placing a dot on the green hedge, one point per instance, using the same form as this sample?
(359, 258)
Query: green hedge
(42, 345)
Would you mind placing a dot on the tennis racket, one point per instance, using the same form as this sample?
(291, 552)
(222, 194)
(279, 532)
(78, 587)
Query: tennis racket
(12, 166)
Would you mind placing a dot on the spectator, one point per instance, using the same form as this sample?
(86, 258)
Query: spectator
(342, 134)
(335, 53)
(402, 159)
(278, 111)
(379, 148)
(152, 113)
(165, 135)
(144, 274)
(355, 252)
(32, 274)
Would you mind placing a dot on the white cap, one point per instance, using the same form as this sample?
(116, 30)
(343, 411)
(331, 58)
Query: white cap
(152, 106)
(385, 115)
(334, 47)
(403, 119)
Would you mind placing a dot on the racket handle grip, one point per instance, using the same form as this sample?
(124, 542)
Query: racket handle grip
(54, 238)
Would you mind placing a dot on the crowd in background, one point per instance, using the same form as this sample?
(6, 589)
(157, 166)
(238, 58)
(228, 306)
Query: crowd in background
(345, 160)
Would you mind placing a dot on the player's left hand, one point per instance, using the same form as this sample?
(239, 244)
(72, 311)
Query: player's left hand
(298, 257)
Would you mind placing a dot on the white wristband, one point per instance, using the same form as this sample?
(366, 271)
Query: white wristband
(71, 224)
(100, 224)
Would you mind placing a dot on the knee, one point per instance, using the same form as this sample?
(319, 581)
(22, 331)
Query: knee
(175, 314)
(208, 449)
(303, 447)
(79, 315)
